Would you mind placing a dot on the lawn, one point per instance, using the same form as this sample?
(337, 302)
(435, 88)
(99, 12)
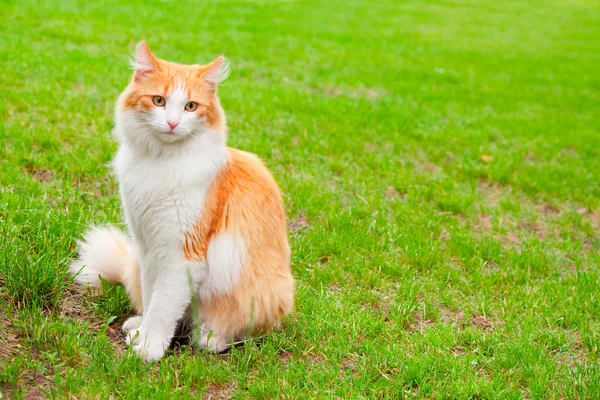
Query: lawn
(440, 165)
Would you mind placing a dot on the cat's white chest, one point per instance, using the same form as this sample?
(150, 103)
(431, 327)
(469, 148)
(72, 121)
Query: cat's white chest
(163, 199)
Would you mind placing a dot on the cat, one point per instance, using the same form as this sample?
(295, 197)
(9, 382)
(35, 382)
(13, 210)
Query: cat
(204, 221)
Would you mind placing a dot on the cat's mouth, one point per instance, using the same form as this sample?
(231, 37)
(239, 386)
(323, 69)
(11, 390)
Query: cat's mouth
(169, 136)
(169, 132)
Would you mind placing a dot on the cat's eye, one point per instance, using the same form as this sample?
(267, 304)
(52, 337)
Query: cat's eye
(159, 101)
(191, 106)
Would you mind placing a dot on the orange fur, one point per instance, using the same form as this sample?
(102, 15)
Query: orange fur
(133, 286)
(139, 93)
(245, 200)
(242, 204)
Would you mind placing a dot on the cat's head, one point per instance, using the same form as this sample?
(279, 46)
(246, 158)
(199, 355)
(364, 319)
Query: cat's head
(168, 104)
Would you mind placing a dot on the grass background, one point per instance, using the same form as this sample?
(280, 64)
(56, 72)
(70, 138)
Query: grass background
(439, 161)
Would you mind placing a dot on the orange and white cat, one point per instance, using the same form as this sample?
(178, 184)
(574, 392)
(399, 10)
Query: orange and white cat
(204, 220)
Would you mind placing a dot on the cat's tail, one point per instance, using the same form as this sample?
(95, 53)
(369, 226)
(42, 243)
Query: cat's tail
(106, 252)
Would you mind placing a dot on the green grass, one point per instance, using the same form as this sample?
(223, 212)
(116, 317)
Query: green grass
(440, 162)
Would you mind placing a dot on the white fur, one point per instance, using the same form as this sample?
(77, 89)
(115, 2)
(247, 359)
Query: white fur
(162, 199)
(149, 132)
(101, 254)
(143, 58)
(226, 255)
(212, 341)
(219, 72)
(144, 62)
(174, 110)
(164, 177)
(132, 323)
(163, 187)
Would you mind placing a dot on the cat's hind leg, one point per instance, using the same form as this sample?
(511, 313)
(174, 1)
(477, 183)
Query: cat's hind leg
(213, 340)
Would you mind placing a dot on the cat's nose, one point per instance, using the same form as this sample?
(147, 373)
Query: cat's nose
(172, 124)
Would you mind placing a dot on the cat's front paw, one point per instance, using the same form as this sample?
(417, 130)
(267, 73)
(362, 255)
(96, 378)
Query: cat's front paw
(149, 347)
(149, 352)
(132, 323)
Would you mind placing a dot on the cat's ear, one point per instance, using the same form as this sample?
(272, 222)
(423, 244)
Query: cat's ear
(216, 72)
(145, 62)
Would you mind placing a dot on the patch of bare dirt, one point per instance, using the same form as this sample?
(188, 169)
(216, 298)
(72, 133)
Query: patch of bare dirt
(94, 188)
(430, 167)
(449, 317)
(565, 359)
(588, 244)
(331, 91)
(491, 266)
(457, 351)
(481, 322)
(512, 237)
(218, 392)
(34, 393)
(348, 363)
(114, 334)
(482, 223)
(540, 222)
(572, 357)
(536, 227)
(493, 192)
(39, 174)
(347, 367)
(592, 216)
(298, 223)
(548, 209)
(285, 356)
(12, 346)
(313, 358)
(73, 305)
(444, 236)
(334, 287)
(458, 319)
(392, 194)
(420, 323)
(578, 346)
(529, 159)
(485, 222)
(383, 305)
